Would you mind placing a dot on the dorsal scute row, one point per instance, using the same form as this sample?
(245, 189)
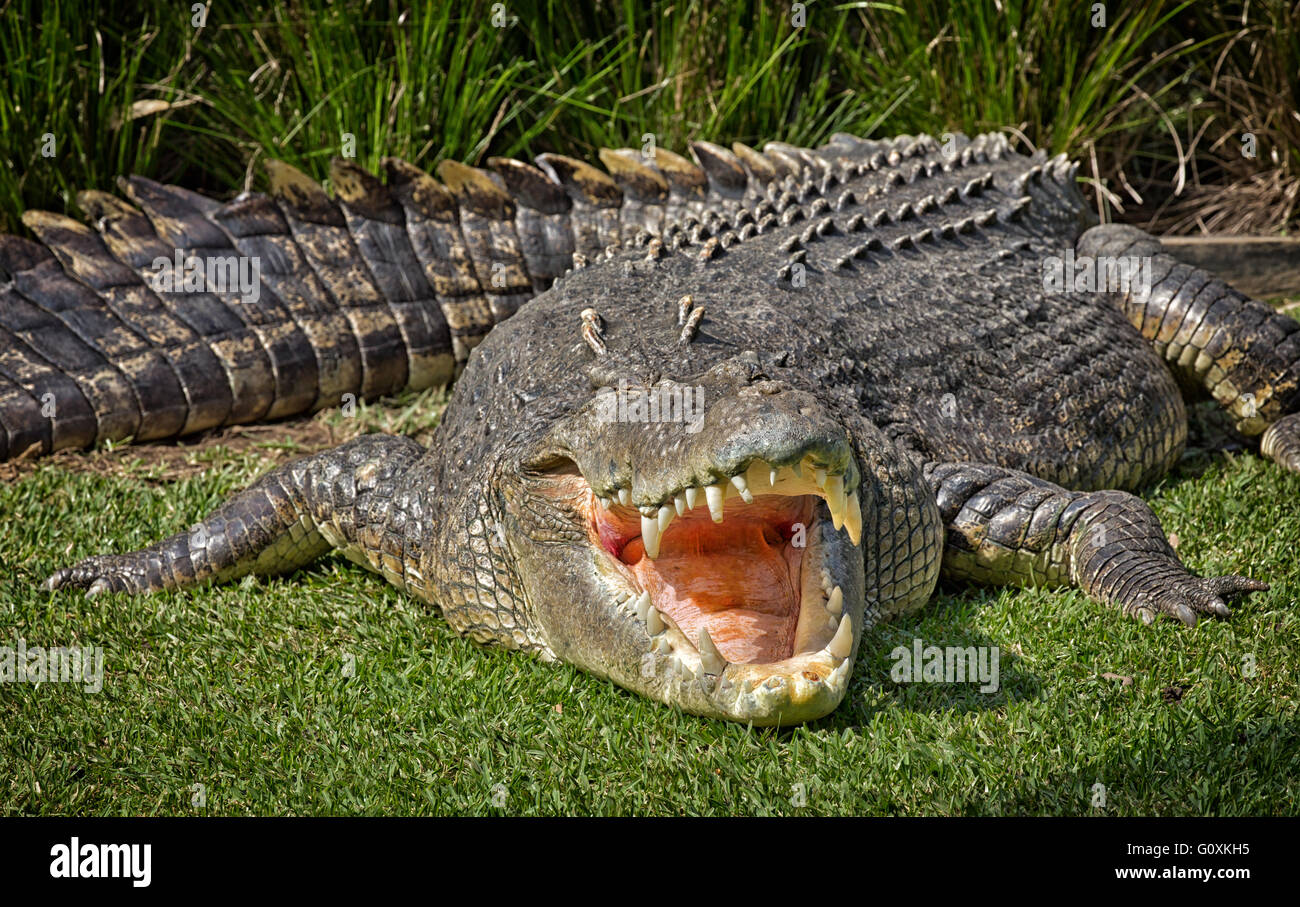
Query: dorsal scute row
(391, 280)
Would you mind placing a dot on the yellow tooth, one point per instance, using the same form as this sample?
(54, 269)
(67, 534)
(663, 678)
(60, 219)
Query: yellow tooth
(835, 604)
(835, 499)
(690, 497)
(842, 644)
(666, 515)
(624, 496)
(743, 487)
(853, 519)
(654, 621)
(710, 658)
(821, 477)
(650, 535)
(714, 494)
(771, 476)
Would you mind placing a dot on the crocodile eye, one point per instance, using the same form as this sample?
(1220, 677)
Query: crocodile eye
(553, 465)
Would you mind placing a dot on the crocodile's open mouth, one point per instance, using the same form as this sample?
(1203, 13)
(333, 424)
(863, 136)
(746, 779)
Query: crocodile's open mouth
(732, 573)
(738, 580)
(730, 591)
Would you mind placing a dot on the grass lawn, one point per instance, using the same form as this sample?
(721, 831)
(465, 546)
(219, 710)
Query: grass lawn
(329, 692)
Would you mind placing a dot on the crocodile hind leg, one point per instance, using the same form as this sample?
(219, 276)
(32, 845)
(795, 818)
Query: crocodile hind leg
(340, 499)
(1214, 339)
(1007, 527)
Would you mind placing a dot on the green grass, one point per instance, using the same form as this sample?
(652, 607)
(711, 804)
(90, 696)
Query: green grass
(149, 92)
(243, 689)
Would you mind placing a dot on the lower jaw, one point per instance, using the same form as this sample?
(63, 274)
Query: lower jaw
(802, 686)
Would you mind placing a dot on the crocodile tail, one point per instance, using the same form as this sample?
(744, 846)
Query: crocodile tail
(175, 313)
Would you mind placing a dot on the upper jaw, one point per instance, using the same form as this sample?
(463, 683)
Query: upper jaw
(836, 484)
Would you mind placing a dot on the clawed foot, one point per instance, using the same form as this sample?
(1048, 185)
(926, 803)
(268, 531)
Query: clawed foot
(103, 573)
(1188, 596)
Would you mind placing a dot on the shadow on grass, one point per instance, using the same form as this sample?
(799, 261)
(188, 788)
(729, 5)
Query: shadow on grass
(887, 676)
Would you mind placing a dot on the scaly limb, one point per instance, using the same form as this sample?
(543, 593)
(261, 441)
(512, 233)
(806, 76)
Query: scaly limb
(1007, 527)
(343, 499)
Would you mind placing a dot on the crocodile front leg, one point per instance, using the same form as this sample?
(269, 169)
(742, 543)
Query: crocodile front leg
(344, 499)
(1007, 527)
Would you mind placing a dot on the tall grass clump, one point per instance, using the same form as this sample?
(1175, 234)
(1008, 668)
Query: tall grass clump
(1146, 99)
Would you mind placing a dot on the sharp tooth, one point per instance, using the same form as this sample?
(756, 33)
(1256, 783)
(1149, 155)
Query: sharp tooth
(642, 605)
(771, 476)
(834, 604)
(743, 487)
(835, 499)
(654, 622)
(710, 658)
(690, 497)
(624, 496)
(798, 469)
(842, 644)
(650, 535)
(713, 494)
(666, 515)
(820, 477)
(853, 519)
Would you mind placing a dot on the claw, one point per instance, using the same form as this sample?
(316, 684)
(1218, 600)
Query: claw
(1146, 615)
(98, 586)
(1228, 585)
(1218, 607)
(1185, 614)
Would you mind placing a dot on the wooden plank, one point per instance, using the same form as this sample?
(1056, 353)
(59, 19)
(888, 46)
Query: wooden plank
(1262, 267)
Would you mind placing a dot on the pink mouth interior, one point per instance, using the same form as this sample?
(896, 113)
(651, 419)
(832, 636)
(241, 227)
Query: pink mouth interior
(739, 578)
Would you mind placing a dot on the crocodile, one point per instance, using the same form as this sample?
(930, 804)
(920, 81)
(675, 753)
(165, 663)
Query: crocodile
(711, 419)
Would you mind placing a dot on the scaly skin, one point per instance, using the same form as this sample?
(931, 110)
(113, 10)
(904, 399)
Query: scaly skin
(868, 327)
